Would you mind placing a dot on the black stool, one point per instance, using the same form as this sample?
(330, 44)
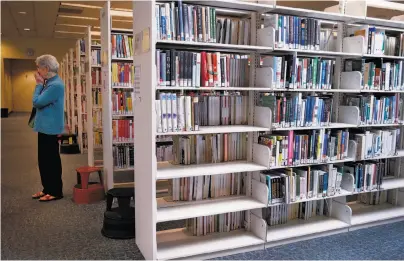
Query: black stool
(119, 222)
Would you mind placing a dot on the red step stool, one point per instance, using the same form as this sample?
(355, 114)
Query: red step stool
(86, 192)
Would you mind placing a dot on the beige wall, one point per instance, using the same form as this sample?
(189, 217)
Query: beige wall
(16, 48)
(23, 84)
(6, 90)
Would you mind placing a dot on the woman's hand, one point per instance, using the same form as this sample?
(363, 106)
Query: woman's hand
(38, 78)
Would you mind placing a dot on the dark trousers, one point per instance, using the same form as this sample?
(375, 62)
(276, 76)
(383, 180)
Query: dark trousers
(50, 165)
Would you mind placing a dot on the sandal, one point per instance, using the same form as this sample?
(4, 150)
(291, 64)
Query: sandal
(38, 195)
(48, 197)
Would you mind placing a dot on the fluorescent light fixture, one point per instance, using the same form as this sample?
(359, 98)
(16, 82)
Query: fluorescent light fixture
(122, 9)
(81, 5)
(27, 29)
(122, 21)
(79, 17)
(95, 33)
(74, 25)
(68, 32)
(22, 12)
(383, 4)
(121, 13)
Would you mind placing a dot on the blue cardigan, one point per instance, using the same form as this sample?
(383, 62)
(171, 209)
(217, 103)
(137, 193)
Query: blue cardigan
(49, 106)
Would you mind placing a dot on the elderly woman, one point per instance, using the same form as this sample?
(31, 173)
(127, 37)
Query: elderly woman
(48, 99)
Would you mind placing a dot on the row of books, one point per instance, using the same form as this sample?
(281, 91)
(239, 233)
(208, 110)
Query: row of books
(97, 139)
(96, 76)
(123, 156)
(204, 187)
(85, 140)
(96, 57)
(377, 75)
(123, 74)
(292, 32)
(209, 148)
(373, 198)
(294, 72)
(297, 110)
(83, 106)
(121, 46)
(82, 46)
(97, 97)
(281, 214)
(374, 109)
(377, 143)
(316, 146)
(84, 123)
(294, 184)
(123, 130)
(97, 119)
(122, 102)
(164, 152)
(364, 176)
(202, 226)
(184, 22)
(201, 69)
(189, 112)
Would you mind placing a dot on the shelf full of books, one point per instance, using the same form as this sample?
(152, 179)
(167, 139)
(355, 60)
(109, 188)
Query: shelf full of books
(256, 122)
(80, 96)
(94, 93)
(113, 82)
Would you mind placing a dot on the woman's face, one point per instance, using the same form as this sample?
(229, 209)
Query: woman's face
(43, 71)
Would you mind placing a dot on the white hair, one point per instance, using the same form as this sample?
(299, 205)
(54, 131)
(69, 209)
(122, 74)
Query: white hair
(48, 61)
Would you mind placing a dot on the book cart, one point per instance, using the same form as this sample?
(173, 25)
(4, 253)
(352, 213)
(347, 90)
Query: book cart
(265, 39)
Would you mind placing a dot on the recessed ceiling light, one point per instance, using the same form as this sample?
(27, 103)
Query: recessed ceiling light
(22, 12)
(27, 29)
(79, 17)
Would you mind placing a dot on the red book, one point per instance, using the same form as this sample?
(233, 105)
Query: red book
(214, 66)
(204, 70)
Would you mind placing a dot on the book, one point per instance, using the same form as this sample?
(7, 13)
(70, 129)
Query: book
(201, 69)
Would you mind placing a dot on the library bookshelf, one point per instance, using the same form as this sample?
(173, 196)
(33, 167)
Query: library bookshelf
(94, 97)
(80, 96)
(117, 92)
(342, 215)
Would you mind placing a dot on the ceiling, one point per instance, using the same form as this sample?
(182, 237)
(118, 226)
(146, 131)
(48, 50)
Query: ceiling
(69, 19)
(57, 19)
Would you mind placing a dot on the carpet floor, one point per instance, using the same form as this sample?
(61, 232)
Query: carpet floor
(63, 230)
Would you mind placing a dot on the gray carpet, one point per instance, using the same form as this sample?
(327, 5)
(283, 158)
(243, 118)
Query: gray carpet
(63, 230)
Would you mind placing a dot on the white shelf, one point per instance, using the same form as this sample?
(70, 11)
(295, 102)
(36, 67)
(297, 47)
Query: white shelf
(121, 142)
(363, 214)
(400, 153)
(122, 87)
(392, 183)
(168, 202)
(123, 169)
(299, 227)
(316, 163)
(117, 59)
(217, 129)
(331, 126)
(121, 115)
(374, 125)
(176, 88)
(382, 91)
(96, 66)
(383, 56)
(206, 209)
(215, 46)
(178, 243)
(319, 53)
(313, 14)
(166, 170)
